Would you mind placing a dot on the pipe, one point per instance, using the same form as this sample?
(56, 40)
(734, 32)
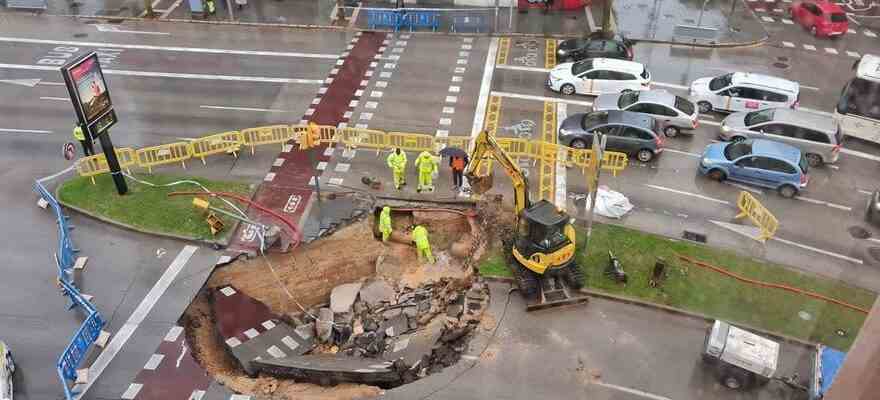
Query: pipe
(296, 237)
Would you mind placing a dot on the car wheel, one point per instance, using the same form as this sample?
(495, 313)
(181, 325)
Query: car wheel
(645, 155)
(704, 106)
(567, 89)
(625, 91)
(733, 380)
(717, 175)
(737, 139)
(814, 160)
(787, 191)
(814, 31)
(670, 131)
(578, 144)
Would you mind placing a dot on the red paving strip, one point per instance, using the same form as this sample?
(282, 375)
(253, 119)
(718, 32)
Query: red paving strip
(171, 373)
(286, 187)
(236, 313)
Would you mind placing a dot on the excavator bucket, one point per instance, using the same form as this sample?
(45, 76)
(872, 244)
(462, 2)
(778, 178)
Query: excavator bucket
(480, 184)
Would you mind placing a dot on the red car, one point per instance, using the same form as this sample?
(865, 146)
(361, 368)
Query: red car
(822, 18)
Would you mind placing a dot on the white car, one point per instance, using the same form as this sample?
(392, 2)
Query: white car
(744, 91)
(7, 368)
(595, 76)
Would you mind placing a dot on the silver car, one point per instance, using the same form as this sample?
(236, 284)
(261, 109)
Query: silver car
(675, 113)
(7, 368)
(817, 136)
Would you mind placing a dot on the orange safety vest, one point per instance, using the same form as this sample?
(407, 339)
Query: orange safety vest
(458, 163)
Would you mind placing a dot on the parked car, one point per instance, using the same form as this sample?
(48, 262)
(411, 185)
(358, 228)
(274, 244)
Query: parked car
(675, 113)
(744, 91)
(595, 47)
(595, 76)
(757, 162)
(818, 137)
(822, 18)
(7, 369)
(628, 132)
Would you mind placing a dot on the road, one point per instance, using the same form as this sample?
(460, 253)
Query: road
(187, 80)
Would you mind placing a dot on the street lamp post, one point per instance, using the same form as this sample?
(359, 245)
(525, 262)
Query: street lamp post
(598, 153)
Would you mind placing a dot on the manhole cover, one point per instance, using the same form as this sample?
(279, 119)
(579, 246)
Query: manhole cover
(874, 252)
(858, 232)
(782, 58)
(805, 315)
(80, 35)
(780, 65)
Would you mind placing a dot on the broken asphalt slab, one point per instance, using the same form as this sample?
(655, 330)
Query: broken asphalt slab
(331, 369)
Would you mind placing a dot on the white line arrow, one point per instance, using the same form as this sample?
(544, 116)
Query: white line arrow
(22, 82)
(114, 28)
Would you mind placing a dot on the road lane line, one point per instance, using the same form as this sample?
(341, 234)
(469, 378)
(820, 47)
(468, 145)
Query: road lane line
(814, 111)
(242, 108)
(712, 123)
(10, 130)
(149, 74)
(865, 192)
(670, 85)
(859, 154)
(50, 83)
(541, 98)
(824, 203)
(744, 187)
(818, 250)
(522, 68)
(809, 87)
(687, 153)
(699, 196)
(170, 48)
(625, 389)
(135, 319)
(485, 88)
(54, 98)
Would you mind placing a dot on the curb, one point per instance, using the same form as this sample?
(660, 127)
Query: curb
(355, 29)
(223, 243)
(672, 310)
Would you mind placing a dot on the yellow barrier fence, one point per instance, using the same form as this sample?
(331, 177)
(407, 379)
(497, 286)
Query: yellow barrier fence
(177, 152)
(254, 137)
(354, 138)
(215, 144)
(97, 164)
(750, 207)
(411, 141)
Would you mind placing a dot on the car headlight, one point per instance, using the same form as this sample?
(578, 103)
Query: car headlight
(562, 52)
(564, 131)
(706, 161)
(725, 128)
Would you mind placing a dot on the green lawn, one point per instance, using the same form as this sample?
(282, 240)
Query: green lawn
(697, 289)
(149, 208)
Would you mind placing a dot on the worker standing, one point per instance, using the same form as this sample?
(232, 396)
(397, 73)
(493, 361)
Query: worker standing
(426, 166)
(211, 8)
(397, 162)
(457, 163)
(81, 137)
(385, 223)
(423, 247)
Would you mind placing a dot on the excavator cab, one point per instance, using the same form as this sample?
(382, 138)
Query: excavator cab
(542, 229)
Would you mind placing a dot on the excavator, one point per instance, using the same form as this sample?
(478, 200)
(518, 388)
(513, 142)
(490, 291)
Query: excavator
(542, 250)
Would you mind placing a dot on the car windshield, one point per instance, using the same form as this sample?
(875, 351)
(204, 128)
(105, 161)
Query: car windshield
(684, 105)
(721, 82)
(838, 17)
(737, 150)
(627, 99)
(594, 118)
(581, 67)
(759, 117)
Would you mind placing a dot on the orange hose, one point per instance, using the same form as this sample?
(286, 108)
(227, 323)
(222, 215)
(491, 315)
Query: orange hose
(771, 285)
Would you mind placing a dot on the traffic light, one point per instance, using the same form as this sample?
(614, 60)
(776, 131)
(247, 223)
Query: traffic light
(311, 137)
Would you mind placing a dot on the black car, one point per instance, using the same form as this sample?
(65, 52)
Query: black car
(616, 46)
(627, 132)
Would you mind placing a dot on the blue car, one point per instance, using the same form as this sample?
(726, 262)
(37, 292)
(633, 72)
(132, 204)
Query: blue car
(758, 162)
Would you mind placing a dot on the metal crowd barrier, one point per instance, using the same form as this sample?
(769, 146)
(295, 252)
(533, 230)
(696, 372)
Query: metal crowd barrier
(177, 152)
(750, 207)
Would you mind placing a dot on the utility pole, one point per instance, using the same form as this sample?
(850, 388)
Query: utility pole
(148, 8)
(593, 179)
(606, 18)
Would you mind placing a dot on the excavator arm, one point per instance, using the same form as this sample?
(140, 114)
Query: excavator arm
(485, 146)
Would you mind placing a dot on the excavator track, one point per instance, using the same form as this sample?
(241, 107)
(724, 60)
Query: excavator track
(554, 292)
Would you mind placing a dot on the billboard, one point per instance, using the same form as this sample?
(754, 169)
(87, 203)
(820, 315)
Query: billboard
(89, 94)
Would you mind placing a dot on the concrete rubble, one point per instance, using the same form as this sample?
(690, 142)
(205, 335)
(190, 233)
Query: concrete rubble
(383, 336)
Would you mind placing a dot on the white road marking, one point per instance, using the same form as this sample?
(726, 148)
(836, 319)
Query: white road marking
(115, 29)
(241, 108)
(832, 166)
(169, 48)
(788, 44)
(687, 153)
(636, 392)
(10, 130)
(183, 349)
(828, 50)
(860, 154)
(671, 85)
(853, 21)
(812, 87)
(54, 98)
(521, 68)
(21, 82)
(139, 315)
(712, 123)
(699, 196)
(50, 83)
(787, 21)
(824, 203)
(149, 74)
(810, 47)
(767, 19)
(853, 54)
(825, 113)
(171, 9)
(865, 192)
(485, 88)
(744, 187)
(870, 34)
(541, 98)
(820, 251)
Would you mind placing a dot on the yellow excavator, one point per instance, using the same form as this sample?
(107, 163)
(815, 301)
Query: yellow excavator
(543, 245)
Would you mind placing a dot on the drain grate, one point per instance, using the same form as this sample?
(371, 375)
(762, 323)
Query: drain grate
(782, 59)
(858, 232)
(80, 35)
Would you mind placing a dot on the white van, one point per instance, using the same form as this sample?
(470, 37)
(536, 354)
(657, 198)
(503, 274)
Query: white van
(744, 91)
(595, 76)
(858, 109)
